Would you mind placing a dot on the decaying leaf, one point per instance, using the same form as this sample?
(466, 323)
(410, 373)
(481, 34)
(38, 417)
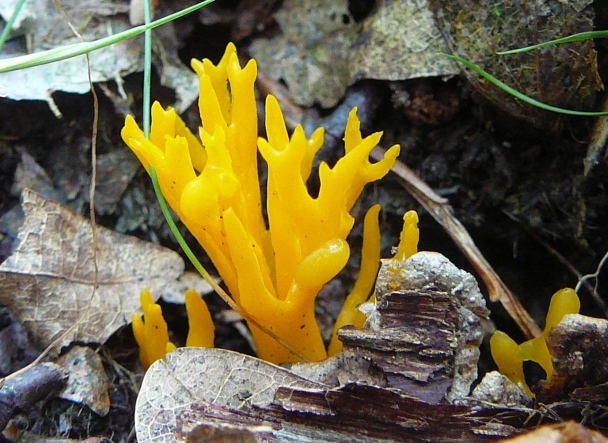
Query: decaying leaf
(323, 49)
(46, 28)
(49, 281)
(175, 292)
(311, 55)
(400, 41)
(29, 174)
(212, 386)
(87, 382)
(115, 170)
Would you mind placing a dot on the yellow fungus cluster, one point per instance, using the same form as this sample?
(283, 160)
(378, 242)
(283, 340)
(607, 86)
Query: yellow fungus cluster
(273, 272)
(152, 334)
(509, 356)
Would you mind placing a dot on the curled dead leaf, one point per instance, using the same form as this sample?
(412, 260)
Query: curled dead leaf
(50, 284)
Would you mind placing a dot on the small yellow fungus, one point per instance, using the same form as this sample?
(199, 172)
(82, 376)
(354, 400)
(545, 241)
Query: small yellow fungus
(408, 241)
(370, 263)
(201, 330)
(509, 357)
(150, 331)
(564, 302)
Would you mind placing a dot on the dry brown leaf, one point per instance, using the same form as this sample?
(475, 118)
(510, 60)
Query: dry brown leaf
(48, 281)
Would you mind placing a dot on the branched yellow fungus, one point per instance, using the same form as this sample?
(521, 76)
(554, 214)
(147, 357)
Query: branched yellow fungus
(151, 331)
(152, 335)
(273, 273)
(509, 356)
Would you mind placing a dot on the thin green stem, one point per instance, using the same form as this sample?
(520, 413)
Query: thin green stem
(571, 38)
(147, 66)
(518, 94)
(178, 236)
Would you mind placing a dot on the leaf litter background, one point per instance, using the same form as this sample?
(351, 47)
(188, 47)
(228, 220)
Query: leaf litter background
(515, 185)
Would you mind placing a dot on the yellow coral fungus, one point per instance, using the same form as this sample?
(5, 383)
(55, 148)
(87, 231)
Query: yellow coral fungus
(273, 273)
(152, 335)
(151, 331)
(201, 330)
(509, 356)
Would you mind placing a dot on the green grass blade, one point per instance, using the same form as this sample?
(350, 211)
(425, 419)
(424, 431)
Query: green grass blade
(518, 94)
(147, 67)
(73, 50)
(10, 23)
(571, 38)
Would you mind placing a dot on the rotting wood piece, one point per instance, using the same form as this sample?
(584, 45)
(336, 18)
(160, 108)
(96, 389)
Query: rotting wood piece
(414, 344)
(580, 362)
(425, 329)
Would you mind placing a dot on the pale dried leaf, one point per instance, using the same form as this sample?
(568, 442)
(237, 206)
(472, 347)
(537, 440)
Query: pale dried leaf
(323, 50)
(48, 281)
(175, 292)
(29, 174)
(198, 385)
(45, 27)
(87, 382)
(399, 42)
(311, 55)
